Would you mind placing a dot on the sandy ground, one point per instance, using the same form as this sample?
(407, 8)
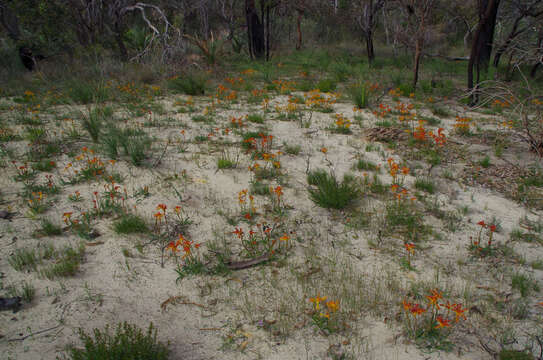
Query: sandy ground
(220, 317)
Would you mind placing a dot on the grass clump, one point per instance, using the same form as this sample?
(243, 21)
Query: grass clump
(255, 118)
(190, 84)
(26, 291)
(326, 85)
(515, 355)
(93, 123)
(360, 95)
(365, 165)
(292, 149)
(328, 192)
(48, 228)
(426, 185)
(128, 342)
(66, 263)
(130, 224)
(524, 284)
(485, 162)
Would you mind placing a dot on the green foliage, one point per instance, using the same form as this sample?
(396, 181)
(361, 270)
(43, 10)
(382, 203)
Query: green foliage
(366, 165)
(135, 143)
(515, 355)
(50, 229)
(326, 85)
(83, 92)
(328, 192)
(130, 224)
(425, 184)
(255, 118)
(524, 284)
(190, 84)
(66, 263)
(485, 162)
(360, 95)
(93, 122)
(127, 343)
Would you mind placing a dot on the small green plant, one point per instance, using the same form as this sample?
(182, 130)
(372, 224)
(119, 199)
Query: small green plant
(524, 284)
(255, 118)
(425, 184)
(326, 85)
(292, 149)
(260, 188)
(130, 224)
(485, 162)
(82, 92)
(360, 95)
(26, 291)
(48, 228)
(128, 342)
(93, 122)
(537, 264)
(515, 355)
(66, 263)
(225, 161)
(327, 192)
(366, 165)
(439, 111)
(190, 84)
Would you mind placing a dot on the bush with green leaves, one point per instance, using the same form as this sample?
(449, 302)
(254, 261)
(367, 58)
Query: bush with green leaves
(327, 192)
(128, 342)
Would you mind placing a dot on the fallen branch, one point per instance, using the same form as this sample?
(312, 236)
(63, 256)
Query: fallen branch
(238, 265)
(35, 333)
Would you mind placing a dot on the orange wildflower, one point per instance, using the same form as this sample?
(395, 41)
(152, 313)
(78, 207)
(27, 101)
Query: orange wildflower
(442, 322)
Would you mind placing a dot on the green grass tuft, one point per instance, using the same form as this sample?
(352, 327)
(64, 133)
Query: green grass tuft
(130, 224)
(328, 192)
(128, 342)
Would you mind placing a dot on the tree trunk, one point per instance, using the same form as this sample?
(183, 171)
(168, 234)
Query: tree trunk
(268, 32)
(418, 53)
(481, 46)
(10, 22)
(120, 43)
(487, 14)
(369, 46)
(299, 29)
(534, 69)
(255, 31)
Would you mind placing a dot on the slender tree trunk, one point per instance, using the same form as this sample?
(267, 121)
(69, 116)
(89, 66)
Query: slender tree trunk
(268, 32)
(369, 46)
(418, 53)
(299, 29)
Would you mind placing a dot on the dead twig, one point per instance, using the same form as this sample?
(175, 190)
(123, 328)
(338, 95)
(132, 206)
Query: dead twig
(238, 265)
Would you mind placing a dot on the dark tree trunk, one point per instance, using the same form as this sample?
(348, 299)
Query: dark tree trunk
(268, 36)
(255, 31)
(488, 10)
(10, 22)
(481, 47)
(299, 29)
(369, 46)
(418, 53)
(534, 69)
(123, 52)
